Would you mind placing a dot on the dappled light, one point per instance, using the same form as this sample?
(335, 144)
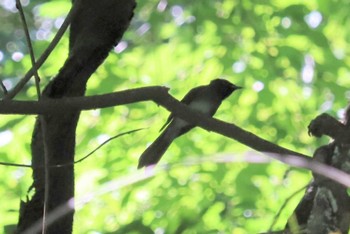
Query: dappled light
(290, 57)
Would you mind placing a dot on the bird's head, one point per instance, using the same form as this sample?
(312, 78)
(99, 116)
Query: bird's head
(224, 87)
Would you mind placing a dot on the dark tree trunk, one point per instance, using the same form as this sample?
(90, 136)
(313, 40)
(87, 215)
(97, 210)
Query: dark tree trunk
(96, 26)
(325, 207)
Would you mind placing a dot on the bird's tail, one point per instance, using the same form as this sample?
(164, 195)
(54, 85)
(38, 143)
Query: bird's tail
(155, 151)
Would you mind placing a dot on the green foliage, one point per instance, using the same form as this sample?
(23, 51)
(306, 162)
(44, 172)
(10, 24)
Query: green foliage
(292, 66)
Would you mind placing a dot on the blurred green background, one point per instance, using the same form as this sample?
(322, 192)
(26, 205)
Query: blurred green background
(291, 57)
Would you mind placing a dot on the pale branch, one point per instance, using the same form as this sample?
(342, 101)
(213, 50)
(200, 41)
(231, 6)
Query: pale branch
(138, 176)
(156, 94)
(46, 176)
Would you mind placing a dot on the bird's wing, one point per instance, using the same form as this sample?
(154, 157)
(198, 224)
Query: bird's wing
(186, 100)
(192, 94)
(167, 122)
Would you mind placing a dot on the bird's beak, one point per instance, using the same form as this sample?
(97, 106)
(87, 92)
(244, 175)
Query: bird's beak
(238, 87)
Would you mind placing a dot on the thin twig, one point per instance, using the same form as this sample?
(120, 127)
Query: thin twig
(103, 143)
(46, 175)
(3, 87)
(30, 46)
(42, 120)
(284, 205)
(11, 94)
(79, 160)
(15, 164)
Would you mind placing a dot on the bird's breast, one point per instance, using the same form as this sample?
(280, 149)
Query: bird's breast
(205, 106)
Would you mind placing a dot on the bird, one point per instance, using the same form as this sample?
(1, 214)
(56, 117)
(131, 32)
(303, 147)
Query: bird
(205, 99)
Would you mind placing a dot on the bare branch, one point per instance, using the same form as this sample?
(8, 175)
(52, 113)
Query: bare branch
(285, 203)
(15, 164)
(50, 106)
(79, 160)
(3, 87)
(103, 143)
(30, 47)
(160, 96)
(11, 94)
(114, 185)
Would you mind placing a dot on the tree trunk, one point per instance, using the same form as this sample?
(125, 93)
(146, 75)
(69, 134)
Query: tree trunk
(96, 27)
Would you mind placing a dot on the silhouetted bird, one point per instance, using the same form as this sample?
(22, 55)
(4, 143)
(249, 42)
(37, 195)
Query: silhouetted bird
(205, 99)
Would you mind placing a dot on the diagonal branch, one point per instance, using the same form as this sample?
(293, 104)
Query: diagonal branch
(158, 95)
(3, 87)
(76, 161)
(30, 47)
(12, 93)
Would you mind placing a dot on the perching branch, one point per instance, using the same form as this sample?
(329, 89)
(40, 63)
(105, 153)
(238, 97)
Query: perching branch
(53, 106)
(156, 94)
(160, 96)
